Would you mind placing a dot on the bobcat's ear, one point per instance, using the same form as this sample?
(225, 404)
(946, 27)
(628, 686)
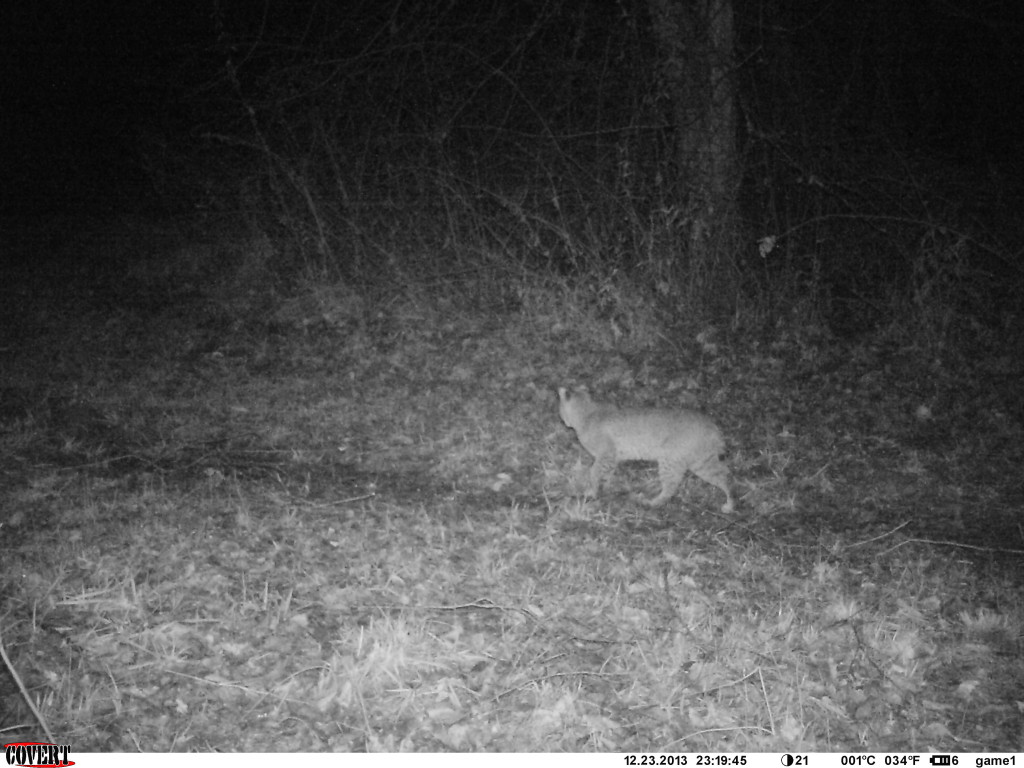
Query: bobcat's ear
(565, 394)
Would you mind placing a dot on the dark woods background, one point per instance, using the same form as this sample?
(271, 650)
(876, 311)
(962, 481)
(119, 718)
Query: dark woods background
(850, 164)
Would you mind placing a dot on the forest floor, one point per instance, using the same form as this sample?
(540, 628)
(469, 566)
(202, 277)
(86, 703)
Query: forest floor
(356, 530)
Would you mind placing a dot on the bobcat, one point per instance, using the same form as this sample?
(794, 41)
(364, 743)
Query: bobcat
(678, 440)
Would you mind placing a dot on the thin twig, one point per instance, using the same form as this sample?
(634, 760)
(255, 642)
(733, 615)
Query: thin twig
(880, 536)
(24, 692)
(967, 546)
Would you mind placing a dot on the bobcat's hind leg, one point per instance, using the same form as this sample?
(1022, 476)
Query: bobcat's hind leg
(670, 478)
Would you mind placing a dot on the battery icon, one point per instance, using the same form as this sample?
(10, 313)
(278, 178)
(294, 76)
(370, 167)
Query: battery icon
(940, 760)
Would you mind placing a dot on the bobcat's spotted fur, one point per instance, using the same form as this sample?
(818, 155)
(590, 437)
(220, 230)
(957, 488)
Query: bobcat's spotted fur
(679, 440)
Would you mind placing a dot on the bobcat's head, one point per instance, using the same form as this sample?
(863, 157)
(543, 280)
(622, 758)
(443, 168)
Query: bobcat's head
(574, 406)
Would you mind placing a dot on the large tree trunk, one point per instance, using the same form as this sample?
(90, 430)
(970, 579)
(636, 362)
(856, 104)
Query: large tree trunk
(695, 41)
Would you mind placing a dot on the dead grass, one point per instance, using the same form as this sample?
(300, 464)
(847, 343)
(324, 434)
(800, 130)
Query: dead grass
(354, 534)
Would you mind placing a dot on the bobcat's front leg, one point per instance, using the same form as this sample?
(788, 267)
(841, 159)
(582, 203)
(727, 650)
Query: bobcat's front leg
(600, 470)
